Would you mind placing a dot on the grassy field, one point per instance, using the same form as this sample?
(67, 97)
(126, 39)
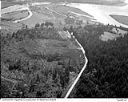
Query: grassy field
(8, 3)
(66, 9)
(15, 15)
(108, 36)
(10, 26)
(120, 18)
(113, 35)
(36, 18)
(41, 13)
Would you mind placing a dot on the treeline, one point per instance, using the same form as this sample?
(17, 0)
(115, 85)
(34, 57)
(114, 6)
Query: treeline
(106, 74)
(40, 31)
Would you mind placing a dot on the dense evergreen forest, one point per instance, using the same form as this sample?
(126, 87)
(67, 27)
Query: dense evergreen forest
(106, 74)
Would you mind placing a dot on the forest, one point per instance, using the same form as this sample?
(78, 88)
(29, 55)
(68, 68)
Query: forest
(32, 70)
(106, 75)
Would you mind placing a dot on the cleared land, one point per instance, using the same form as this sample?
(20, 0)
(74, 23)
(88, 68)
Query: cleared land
(10, 26)
(41, 13)
(66, 9)
(121, 19)
(8, 3)
(14, 15)
(113, 35)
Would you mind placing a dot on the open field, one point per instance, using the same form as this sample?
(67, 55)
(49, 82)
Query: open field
(66, 9)
(15, 15)
(8, 3)
(46, 12)
(59, 10)
(108, 36)
(10, 26)
(113, 35)
(36, 18)
(120, 18)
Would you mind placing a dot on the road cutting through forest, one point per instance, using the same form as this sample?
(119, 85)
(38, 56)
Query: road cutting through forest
(83, 68)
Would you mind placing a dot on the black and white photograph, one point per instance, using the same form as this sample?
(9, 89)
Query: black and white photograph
(64, 49)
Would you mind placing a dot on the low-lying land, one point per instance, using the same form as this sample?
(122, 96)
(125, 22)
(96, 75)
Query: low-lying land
(41, 13)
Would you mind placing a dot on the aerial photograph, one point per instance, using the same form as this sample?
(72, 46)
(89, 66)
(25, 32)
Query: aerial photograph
(64, 49)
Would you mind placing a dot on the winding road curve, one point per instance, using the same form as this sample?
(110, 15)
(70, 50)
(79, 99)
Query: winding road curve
(29, 12)
(79, 75)
(18, 8)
